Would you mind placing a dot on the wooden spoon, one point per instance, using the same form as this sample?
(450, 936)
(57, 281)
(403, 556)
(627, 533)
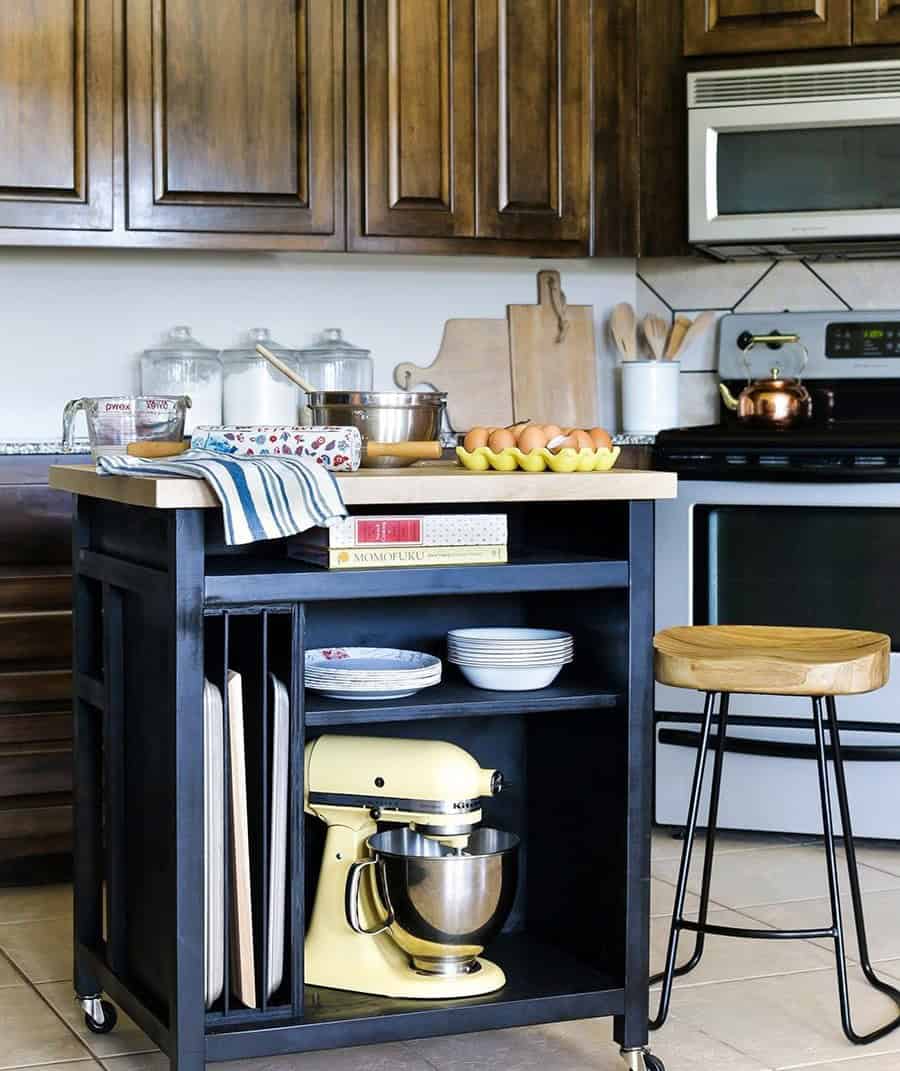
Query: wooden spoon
(697, 329)
(623, 328)
(284, 369)
(656, 331)
(676, 336)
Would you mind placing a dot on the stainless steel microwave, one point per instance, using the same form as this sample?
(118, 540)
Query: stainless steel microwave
(795, 161)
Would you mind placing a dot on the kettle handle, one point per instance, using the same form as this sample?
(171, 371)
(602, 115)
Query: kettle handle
(69, 413)
(351, 901)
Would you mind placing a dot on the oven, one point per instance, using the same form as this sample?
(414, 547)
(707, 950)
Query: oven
(789, 161)
(813, 554)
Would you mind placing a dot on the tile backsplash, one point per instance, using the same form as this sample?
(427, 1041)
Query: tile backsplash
(688, 285)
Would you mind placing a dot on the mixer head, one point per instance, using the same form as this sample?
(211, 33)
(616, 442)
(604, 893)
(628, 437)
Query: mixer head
(432, 784)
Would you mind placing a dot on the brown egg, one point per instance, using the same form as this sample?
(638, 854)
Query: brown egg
(567, 442)
(552, 430)
(501, 439)
(532, 439)
(517, 429)
(583, 439)
(601, 438)
(478, 436)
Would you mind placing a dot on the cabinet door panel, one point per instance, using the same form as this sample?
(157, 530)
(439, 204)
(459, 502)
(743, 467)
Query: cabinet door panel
(876, 22)
(419, 142)
(533, 119)
(234, 115)
(56, 71)
(722, 26)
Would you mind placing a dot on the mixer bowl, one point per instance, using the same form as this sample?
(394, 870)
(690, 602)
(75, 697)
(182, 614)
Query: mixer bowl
(382, 417)
(445, 907)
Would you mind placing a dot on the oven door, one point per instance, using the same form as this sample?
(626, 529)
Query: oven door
(813, 555)
(809, 170)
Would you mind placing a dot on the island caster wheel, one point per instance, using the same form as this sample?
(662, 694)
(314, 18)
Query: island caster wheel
(642, 1060)
(99, 1015)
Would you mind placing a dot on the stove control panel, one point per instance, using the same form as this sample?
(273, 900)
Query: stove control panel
(850, 341)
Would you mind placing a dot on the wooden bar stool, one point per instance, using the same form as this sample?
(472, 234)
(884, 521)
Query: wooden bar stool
(820, 663)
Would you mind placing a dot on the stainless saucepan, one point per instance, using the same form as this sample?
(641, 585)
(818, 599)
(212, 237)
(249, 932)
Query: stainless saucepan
(402, 426)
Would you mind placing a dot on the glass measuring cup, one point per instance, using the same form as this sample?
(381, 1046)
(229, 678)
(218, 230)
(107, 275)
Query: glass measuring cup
(114, 422)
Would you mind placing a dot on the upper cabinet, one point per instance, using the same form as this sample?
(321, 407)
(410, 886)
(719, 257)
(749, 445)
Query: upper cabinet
(235, 116)
(714, 27)
(416, 64)
(56, 114)
(533, 119)
(469, 123)
(876, 22)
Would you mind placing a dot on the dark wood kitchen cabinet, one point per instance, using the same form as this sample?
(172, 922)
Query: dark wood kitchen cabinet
(56, 114)
(235, 117)
(718, 27)
(469, 125)
(876, 22)
(35, 673)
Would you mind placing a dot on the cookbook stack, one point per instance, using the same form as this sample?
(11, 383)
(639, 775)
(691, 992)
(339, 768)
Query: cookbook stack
(367, 542)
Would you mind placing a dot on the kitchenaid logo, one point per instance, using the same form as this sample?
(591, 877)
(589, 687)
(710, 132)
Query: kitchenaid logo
(808, 230)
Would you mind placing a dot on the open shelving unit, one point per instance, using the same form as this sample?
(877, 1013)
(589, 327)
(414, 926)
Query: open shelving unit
(152, 625)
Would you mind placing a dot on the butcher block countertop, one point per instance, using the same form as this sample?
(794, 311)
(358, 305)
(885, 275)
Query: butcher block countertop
(418, 485)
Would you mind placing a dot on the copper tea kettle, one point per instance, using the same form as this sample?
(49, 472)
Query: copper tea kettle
(777, 401)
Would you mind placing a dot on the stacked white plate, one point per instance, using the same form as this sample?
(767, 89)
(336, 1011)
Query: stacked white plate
(370, 672)
(510, 659)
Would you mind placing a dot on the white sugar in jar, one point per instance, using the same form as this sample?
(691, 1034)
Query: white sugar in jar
(255, 392)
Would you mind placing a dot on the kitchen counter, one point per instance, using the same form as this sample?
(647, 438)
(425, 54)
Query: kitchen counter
(430, 484)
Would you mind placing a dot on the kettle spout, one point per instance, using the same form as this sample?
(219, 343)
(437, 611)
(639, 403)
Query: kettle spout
(728, 398)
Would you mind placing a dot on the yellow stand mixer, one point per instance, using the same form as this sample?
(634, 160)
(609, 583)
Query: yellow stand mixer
(440, 887)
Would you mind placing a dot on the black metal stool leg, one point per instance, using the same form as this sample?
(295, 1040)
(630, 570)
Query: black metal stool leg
(855, 893)
(671, 971)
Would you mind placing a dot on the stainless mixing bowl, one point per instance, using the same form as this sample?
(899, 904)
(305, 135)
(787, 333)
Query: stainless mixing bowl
(444, 908)
(382, 416)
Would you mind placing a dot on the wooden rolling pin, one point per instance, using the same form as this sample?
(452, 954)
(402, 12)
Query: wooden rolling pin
(157, 448)
(427, 450)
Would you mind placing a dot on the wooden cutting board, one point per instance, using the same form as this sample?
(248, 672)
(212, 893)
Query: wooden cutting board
(472, 366)
(554, 361)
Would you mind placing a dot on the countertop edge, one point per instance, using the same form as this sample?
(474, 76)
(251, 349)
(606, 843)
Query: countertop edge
(379, 487)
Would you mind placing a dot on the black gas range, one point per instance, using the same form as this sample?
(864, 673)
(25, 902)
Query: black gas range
(852, 370)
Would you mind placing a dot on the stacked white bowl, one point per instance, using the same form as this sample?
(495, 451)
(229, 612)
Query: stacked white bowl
(510, 659)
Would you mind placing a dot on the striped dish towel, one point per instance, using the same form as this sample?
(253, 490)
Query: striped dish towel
(262, 497)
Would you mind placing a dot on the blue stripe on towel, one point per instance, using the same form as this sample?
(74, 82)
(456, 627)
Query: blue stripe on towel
(261, 497)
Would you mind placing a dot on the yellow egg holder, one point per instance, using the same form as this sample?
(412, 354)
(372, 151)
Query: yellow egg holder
(512, 458)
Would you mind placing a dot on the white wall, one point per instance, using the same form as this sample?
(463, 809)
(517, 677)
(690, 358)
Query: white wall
(74, 322)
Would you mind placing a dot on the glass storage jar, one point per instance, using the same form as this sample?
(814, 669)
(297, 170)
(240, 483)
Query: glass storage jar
(333, 363)
(182, 365)
(255, 392)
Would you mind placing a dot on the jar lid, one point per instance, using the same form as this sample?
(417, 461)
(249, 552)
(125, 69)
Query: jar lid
(248, 352)
(179, 342)
(331, 343)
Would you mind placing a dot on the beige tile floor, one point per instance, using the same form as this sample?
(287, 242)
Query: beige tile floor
(750, 1006)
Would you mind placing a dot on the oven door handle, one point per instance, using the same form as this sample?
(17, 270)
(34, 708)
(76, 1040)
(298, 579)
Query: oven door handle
(780, 749)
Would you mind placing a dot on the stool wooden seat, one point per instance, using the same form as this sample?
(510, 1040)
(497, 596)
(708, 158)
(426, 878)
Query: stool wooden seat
(772, 661)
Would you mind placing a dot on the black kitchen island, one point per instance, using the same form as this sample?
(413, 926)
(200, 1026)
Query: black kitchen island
(161, 605)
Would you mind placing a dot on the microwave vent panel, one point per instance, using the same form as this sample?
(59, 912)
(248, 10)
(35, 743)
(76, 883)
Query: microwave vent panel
(786, 85)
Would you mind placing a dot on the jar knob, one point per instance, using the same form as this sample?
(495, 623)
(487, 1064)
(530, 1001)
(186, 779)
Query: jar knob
(259, 334)
(332, 334)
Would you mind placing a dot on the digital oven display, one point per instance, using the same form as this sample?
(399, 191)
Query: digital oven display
(850, 341)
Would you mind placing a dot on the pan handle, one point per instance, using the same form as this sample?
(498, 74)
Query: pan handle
(429, 450)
